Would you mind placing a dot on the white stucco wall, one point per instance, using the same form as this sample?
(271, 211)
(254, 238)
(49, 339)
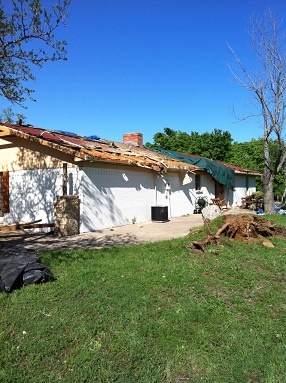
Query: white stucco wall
(32, 195)
(111, 197)
(243, 188)
(179, 197)
(252, 185)
(114, 197)
(182, 198)
(33, 192)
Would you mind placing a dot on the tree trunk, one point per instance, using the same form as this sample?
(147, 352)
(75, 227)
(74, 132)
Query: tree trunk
(268, 174)
(268, 195)
(284, 193)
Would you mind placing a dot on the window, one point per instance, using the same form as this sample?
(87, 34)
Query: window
(4, 192)
(198, 182)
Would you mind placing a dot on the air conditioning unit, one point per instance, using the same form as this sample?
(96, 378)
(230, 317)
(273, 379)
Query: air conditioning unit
(159, 213)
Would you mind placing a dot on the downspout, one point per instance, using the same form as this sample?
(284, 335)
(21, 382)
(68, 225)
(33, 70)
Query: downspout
(168, 198)
(65, 178)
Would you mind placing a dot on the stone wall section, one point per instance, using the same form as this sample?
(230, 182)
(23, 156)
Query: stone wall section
(67, 215)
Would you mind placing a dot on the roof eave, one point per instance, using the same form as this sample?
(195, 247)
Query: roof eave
(248, 173)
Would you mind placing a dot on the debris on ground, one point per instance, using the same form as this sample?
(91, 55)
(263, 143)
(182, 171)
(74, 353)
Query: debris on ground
(24, 226)
(247, 228)
(200, 245)
(20, 267)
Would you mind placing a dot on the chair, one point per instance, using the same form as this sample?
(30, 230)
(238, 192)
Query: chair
(221, 203)
(247, 202)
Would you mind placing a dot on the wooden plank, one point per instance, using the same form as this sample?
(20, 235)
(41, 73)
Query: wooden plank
(19, 226)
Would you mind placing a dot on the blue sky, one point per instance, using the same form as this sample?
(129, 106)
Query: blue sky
(142, 65)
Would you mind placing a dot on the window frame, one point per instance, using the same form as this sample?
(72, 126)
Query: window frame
(198, 186)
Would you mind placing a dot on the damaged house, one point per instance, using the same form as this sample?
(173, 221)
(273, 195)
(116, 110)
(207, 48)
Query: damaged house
(103, 184)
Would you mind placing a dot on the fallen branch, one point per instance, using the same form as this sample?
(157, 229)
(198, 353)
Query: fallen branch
(199, 230)
(222, 229)
(207, 241)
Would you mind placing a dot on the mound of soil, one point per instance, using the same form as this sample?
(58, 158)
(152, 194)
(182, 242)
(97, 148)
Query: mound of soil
(249, 226)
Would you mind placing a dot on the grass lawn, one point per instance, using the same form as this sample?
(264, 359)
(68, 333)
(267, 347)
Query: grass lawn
(151, 313)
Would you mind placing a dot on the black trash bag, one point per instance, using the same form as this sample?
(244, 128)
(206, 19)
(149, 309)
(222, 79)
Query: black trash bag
(2, 286)
(11, 275)
(36, 273)
(20, 267)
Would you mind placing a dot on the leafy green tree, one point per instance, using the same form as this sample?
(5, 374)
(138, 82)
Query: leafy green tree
(27, 39)
(215, 145)
(249, 155)
(171, 140)
(279, 185)
(267, 85)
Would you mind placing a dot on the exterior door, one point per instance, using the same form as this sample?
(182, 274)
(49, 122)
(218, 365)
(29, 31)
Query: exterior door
(219, 190)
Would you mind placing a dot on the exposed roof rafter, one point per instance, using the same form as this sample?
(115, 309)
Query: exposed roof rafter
(83, 149)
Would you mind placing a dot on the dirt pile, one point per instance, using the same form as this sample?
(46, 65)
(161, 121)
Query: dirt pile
(247, 227)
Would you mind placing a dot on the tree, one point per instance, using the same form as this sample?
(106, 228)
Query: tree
(171, 140)
(215, 145)
(267, 84)
(248, 155)
(27, 39)
(9, 116)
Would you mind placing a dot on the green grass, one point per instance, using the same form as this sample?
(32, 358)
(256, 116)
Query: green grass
(151, 313)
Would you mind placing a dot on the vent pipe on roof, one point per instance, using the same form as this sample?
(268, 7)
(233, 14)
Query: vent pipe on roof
(133, 138)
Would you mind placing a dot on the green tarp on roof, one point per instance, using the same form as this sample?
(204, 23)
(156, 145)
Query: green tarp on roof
(218, 171)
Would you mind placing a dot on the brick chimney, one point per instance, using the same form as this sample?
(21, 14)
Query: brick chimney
(133, 138)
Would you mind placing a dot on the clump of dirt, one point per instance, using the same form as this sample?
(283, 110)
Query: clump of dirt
(245, 227)
(248, 228)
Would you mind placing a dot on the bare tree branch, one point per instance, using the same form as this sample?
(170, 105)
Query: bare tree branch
(268, 85)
